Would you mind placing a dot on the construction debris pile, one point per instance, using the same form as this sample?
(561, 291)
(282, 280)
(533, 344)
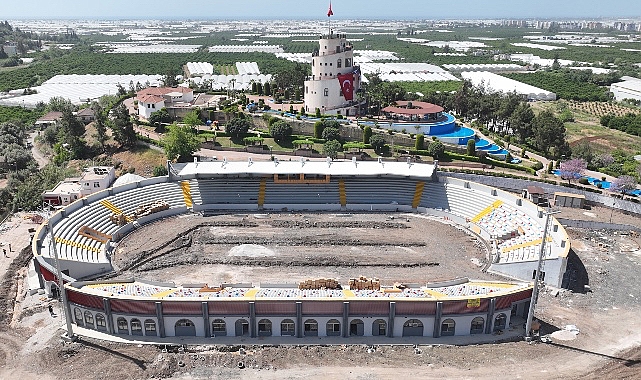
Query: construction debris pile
(150, 208)
(364, 283)
(322, 283)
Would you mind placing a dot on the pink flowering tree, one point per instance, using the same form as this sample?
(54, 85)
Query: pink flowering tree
(623, 184)
(572, 169)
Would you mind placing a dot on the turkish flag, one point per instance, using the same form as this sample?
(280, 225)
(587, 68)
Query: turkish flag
(347, 85)
(329, 12)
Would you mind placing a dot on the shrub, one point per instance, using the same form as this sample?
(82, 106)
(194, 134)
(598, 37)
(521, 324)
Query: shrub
(377, 142)
(471, 147)
(537, 165)
(420, 142)
(367, 134)
(331, 133)
(583, 181)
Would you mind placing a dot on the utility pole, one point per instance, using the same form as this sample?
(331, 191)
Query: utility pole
(61, 286)
(537, 276)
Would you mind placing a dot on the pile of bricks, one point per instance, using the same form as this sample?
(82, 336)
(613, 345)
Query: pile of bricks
(364, 283)
(322, 283)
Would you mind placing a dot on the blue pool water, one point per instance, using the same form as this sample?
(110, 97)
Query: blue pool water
(458, 132)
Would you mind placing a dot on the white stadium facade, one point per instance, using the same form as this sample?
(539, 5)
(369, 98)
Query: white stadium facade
(83, 238)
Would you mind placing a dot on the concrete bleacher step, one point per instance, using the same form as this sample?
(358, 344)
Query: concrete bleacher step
(496, 204)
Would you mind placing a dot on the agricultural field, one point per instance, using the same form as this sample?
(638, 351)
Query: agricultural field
(226, 69)
(563, 85)
(599, 109)
(586, 127)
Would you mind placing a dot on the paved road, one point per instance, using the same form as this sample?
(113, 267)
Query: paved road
(37, 155)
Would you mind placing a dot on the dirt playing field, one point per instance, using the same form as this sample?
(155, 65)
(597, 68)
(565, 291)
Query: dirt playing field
(290, 247)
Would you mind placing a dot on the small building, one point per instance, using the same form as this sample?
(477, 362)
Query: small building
(154, 99)
(51, 118)
(86, 115)
(569, 200)
(92, 180)
(536, 194)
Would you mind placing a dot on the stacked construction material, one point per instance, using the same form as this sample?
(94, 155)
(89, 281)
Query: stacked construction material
(364, 283)
(150, 208)
(322, 283)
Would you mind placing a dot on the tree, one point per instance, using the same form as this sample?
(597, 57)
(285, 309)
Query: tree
(331, 148)
(169, 79)
(318, 129)
(623, 184)
(367, 134)
(160, 171)
(572, 169)
(100, 124)
(70, 132)
(520, 122)
(267, 88)
(471, 148)
(583, 150)
(377, 142)
(331, 133)
(436, 149)
(549, 135)
(603, 160)
(238, 127)
(160, 118)
(122, 126)
(192, 120)
(420, 142)
(180, 142)
(280, 131)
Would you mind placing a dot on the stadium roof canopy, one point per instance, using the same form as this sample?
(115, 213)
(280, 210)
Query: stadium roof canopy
(328, 167)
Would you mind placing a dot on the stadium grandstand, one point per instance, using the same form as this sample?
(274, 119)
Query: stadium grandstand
(84, 235)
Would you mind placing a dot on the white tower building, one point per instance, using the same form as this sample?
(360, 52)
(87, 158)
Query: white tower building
(335, 80)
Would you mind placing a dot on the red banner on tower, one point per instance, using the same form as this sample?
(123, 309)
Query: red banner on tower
(347, 85)
(329, 12)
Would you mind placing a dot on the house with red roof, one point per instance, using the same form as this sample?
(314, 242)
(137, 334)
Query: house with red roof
(154, 99)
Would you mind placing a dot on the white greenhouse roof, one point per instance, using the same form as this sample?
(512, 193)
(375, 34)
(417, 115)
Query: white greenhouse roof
(246, 49)
(247, 68)
(505, 85)
(338, 168)
(77, 88)
(200, 68)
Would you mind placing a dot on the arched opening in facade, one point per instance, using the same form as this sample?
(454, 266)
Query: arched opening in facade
(122, 325)
(287, 327)
(477, 326)
(356, 328)
(310, 328)
(413, 327)
(264, 327)
(333, 328)
(150, 327)
(101, 322)
(218, 327)
(379, 328)
(448, 327)
(500, 322)
(242, 327)
(136, 327)
(77, 313)
(89, 320)
(185, 327)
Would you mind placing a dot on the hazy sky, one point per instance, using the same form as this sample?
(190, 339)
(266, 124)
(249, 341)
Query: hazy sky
(304, 9)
